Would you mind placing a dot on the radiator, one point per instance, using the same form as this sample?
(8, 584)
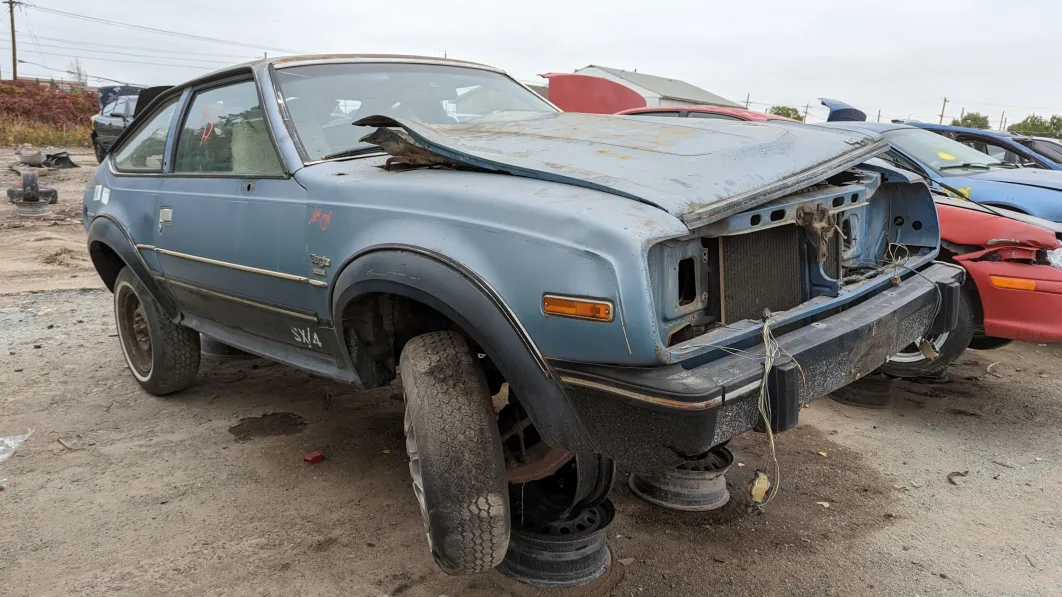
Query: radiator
(761, 270)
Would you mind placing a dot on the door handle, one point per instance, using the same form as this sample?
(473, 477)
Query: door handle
(165, 217)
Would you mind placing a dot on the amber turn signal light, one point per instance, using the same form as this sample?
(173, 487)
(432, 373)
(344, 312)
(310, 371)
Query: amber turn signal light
(1013, 283)
(580, 308)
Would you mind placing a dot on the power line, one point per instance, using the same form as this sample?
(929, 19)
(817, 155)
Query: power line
(161, 31)
(59, 70)
(116, 53)
(125, 47)
(200, 66)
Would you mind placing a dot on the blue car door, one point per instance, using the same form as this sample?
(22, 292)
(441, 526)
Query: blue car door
(230, 234)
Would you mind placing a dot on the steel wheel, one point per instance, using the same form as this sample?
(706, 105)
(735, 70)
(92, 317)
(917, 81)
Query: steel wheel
(414, 469)
(911, 354)
(133, 331)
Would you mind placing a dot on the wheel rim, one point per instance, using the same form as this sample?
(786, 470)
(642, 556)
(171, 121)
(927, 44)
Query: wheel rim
(911, 354)
(415, 470)
(133, 331)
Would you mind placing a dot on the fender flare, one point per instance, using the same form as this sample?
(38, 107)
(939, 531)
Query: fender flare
(470, 302)
(106, 231)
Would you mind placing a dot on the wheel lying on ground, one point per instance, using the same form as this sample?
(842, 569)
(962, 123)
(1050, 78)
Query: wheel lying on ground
(162, 356)
(455, 453)
(910, 362)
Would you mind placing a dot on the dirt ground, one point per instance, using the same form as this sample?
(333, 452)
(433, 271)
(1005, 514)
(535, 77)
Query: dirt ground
(198, 495)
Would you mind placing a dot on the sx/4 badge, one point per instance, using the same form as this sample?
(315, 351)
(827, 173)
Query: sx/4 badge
(320, 264)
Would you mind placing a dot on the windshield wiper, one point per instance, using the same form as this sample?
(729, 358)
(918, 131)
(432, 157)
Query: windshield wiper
(353, 152)
(966, 165)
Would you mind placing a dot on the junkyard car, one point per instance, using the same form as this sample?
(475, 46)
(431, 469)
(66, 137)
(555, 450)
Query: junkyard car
(1001, 146)
(960, 170)
(117, 107)
(1013, 290)
(367, 217)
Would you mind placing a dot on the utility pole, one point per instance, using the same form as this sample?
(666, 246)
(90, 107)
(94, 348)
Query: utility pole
(942, 110)
(879, 115)
(747, 96)
(14, 50)
(962, 114)
(806, 107)
(1002, 117)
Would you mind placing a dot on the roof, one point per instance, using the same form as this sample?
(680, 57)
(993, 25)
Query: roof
(668, 88)
(877, 127)
(741, 113)
(964, 129)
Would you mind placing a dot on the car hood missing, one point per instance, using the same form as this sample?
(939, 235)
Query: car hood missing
(697, 170)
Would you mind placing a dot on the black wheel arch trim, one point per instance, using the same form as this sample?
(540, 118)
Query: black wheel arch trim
(108, 231)
(451, 288)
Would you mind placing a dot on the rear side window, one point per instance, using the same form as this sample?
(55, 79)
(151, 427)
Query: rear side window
(671, 114)
(712, 115)
(144, 150)
(224, 132)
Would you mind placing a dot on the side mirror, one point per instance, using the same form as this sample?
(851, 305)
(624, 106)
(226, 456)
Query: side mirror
(117, 115)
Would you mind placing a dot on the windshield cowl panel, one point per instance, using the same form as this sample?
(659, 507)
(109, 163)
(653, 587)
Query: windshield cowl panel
(322, 101)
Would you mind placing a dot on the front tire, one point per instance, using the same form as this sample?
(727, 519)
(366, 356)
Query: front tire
(162, 356)
(950, 345)
(100, 153)
(455, 453)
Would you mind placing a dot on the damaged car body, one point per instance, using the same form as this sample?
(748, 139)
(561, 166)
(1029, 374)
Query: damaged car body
(1013, 289)
(623, 278)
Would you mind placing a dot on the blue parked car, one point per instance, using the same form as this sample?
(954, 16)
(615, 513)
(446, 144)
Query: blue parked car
(1001, 146)
(645, 289)
(960, 170)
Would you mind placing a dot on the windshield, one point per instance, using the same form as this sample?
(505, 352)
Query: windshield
(945, 156)
(324, 100)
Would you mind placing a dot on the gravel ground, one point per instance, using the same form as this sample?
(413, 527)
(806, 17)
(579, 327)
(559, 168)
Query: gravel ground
(198, 494)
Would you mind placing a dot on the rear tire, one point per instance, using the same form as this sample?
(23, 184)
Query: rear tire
(455, 453)
(162, 356)
(912, 363)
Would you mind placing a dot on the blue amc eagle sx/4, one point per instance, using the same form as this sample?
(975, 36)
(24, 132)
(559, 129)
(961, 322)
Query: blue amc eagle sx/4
(624, 278)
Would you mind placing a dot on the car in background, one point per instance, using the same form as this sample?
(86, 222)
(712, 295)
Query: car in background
(959, 170)
(716, 112)
(1046, 146)
(109, 124)
(1001, 146)
(1013, 288)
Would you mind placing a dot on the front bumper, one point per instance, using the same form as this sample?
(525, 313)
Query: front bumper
(653, 418)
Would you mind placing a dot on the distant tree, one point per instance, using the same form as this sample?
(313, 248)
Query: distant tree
(1056, 126)
(1034, 125)
(974, 120)
(787, 112)
(77, 71)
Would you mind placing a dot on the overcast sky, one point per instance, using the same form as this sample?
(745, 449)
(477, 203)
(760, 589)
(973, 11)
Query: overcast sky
(901, 56)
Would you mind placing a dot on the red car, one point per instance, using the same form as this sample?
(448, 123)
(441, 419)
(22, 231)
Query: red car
(705, 112)
(1013, 288)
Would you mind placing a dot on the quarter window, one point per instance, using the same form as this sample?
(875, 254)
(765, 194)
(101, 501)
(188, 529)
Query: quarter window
(144, 150)
(713, 115)
(224, 132)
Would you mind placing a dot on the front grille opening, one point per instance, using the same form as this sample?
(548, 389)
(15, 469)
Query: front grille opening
(838, 201)
(755, 220)
(777, 215)
(687, 281)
